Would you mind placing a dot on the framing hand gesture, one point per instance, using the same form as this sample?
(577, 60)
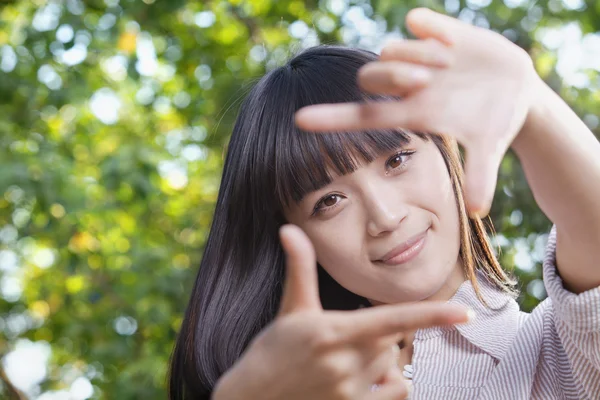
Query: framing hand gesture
(457, 79)
(309, 353)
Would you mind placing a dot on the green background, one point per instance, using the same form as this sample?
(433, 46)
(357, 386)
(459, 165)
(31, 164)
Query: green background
(114, 119)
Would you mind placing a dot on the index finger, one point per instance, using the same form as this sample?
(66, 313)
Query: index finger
(380, 321)
(359, 116)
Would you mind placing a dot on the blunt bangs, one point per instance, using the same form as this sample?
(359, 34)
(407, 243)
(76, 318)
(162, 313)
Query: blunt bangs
(313, 160)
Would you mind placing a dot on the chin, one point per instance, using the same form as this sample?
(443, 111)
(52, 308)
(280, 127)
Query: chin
(419, 288)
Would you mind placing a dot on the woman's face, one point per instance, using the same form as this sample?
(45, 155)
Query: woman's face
(389, 231)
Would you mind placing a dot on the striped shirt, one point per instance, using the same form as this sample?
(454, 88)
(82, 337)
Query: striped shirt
(552, 353)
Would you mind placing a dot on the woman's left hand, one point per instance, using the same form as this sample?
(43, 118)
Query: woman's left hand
(475, 85)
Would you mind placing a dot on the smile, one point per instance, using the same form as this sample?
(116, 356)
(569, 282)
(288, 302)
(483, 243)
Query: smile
(406, 251)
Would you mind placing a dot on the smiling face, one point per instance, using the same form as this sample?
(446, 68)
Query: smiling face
(388, 231)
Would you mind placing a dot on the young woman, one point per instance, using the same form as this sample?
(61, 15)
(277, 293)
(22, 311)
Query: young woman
(381, 210)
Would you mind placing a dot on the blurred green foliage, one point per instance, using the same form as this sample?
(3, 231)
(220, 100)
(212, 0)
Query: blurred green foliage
(114, 118)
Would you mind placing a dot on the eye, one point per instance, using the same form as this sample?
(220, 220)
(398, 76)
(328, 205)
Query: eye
(327, 203)
(399, 160)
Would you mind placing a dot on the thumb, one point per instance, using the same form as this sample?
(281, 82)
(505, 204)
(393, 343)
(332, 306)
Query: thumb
(301, 288)
(481, 175)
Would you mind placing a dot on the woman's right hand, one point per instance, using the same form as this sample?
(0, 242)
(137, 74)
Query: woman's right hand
(309, 353)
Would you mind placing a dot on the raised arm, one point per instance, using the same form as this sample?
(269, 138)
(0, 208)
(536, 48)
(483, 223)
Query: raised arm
(561, 160)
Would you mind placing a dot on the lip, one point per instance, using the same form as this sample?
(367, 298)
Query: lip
(405, 251)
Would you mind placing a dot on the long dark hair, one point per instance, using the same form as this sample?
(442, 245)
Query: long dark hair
(269, 164)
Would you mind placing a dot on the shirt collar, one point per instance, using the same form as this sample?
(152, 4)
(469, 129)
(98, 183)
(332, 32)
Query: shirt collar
(494, 327)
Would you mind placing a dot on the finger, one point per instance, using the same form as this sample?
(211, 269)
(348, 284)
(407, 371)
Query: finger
(358, 117)
(379, 367)
(481, 175)
(385, 342)
(425, 23)
(393, 77)
(375, 322)
(378, 345)
(393, 376)
(429, 52)
(301, 289)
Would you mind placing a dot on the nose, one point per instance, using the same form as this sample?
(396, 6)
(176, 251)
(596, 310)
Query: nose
(385, 212)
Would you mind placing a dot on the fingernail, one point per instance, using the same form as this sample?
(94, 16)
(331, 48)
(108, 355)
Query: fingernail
(286, 229)
(474, 214)
(306, 114)
(470, 315)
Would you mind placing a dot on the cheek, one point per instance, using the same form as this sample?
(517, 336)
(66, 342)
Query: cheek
(446, 199)
(434, 185)
(333, 248)
(433, 181)
(431, 190)
(339, 248)
(446, 209)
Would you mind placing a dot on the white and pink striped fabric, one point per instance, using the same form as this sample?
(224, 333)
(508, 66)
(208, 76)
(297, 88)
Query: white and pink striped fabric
(552, 353)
